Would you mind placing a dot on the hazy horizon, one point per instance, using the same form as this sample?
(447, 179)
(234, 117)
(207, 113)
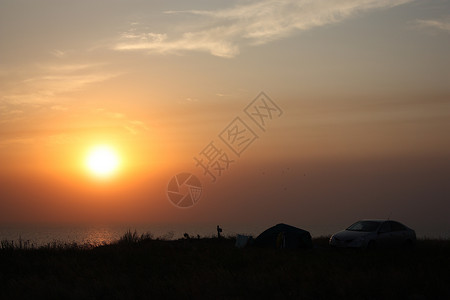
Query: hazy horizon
(362, 89)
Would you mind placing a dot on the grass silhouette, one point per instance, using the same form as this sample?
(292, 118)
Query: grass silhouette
(142, 267)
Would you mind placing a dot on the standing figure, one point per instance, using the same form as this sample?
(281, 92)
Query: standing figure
(219, 230)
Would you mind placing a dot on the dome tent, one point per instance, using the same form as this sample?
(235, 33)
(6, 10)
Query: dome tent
(284, 236)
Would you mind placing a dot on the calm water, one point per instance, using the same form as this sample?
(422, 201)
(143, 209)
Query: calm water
(100, 234)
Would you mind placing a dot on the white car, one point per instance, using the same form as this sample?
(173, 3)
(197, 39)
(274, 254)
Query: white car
(374, 234)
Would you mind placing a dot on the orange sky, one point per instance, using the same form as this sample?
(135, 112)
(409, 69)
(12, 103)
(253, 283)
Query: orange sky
(363, 88)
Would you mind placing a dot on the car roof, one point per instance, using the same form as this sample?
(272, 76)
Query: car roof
(384, 220)
(381, 221)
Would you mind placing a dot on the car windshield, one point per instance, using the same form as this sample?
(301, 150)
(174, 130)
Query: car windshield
(365, 226)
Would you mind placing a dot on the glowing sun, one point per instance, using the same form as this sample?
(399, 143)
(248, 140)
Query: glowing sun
(102, 161)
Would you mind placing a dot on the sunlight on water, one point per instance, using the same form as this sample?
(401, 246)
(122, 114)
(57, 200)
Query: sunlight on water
(103, 234)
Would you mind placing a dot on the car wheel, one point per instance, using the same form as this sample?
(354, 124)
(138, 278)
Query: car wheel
(371, 245)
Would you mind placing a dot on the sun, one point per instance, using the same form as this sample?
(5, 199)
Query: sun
(102, 161)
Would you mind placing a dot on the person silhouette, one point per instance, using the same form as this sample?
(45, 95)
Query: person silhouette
(219, 230)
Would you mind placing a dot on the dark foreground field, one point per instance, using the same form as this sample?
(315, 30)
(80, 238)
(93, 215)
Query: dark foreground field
(144, 268)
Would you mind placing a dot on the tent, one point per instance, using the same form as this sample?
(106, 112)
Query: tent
(284, 236)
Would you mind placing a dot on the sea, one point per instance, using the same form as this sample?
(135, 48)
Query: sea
(37, 235)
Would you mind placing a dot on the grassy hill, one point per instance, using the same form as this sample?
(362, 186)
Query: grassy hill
(139, 267)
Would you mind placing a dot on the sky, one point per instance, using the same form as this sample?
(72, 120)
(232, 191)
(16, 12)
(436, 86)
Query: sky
(354, 97)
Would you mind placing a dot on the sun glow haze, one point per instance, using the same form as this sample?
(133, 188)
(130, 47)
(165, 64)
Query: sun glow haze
(102, 161)
(102, 104)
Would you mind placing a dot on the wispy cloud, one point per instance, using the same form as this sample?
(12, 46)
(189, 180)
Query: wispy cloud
(223, 32)
(59, 108)
(135, 127)
(439, 24)
(44, 89)
(15, 141)
(121, 120)
(11, 113)
(49, 81)
(58, 53)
